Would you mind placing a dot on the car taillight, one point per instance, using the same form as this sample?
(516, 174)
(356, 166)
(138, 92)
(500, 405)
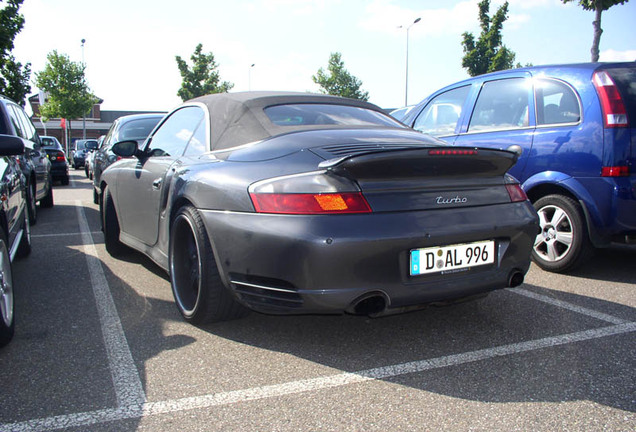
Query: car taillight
(310, 203)
(614, 112)
(615, 171)
(516, 192)
(57, 156)
(449, 152)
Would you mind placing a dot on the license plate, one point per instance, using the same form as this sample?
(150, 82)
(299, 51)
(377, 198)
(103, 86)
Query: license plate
(453, 257)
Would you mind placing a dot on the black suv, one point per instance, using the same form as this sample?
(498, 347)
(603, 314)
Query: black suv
(34, 162)
(15, 232)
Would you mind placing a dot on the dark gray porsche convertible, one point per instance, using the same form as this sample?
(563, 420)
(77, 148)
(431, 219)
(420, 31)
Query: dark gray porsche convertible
(290, 203)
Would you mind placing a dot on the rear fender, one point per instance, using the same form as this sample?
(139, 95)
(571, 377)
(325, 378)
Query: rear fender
(554, 182)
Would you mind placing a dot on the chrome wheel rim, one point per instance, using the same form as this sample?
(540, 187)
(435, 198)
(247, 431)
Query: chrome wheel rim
(6, 286)
(554, 241)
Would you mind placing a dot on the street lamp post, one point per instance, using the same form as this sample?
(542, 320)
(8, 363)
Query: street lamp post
(83, 116)
(406, 85)
(249, 77)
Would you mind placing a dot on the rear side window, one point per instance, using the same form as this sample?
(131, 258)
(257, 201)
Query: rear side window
(556, 103)
(441, 114)
(625, 80)
(324, 114)
(501, 105)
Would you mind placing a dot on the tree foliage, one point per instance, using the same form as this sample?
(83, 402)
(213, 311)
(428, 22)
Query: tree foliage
(487, 54)
(14, 77)
(338, 81)
(598, 6)
(203, 78)
(64, 81)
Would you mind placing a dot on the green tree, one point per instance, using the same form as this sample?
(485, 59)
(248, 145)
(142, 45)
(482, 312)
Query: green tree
(487, 54)
(598, 6)
(203, 78)
(338, 81)
(68, 94)
(14, 77)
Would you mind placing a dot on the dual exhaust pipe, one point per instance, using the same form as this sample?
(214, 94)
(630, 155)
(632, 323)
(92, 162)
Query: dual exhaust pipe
(375, 304)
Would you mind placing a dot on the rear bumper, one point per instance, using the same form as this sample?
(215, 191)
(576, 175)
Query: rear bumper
(323, 264)
(611, 208)
(59, 170)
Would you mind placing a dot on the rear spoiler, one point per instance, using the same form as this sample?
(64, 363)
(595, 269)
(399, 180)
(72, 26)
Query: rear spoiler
(422, 162)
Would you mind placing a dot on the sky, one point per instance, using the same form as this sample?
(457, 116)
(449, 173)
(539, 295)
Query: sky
(130, 45)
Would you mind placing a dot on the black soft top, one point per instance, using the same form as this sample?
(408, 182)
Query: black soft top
(239, 118)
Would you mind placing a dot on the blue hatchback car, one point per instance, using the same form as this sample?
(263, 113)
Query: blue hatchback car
(575, 125)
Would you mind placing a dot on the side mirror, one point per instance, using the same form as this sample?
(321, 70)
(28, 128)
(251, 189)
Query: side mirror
(11, 145)
(125, 149)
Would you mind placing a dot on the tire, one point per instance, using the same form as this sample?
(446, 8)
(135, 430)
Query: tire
(31, 207)
(24, 248)
(198, 290)
(95, 196)
(563, 243)
(7, 318)
(65, 181)
(47, 201)
(86, 170)
(110, 226)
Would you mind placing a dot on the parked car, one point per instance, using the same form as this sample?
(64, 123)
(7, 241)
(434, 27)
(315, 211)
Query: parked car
(35, 163)
(59, 164)
(15, 231)
(90, 158)
(575, 126)
(291, 203)
(80, 150)
(131, 127)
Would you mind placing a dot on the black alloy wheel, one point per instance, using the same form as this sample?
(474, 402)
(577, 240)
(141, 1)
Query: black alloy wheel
(110, 226)
(198, 290)
(24, 247)
(31, 204)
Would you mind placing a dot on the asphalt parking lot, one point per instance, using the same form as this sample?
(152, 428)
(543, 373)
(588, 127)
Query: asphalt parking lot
(100, 346)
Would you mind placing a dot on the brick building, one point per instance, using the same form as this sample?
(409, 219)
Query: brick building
(96, 123)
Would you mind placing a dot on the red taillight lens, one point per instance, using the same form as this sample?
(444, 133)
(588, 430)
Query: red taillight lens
(615, 171)
(614, 112)
(59, 156)
(516, 193)
(299, 203)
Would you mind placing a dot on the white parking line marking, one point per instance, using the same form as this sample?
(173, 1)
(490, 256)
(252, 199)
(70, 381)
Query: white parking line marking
(131, 400)
(125, 375)
(569, 306)
(140, 410)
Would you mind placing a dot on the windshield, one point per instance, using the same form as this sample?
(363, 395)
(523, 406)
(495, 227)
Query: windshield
(324, 114)
(137, 129)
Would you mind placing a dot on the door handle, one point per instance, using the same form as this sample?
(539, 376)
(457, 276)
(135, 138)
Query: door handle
(157, 184)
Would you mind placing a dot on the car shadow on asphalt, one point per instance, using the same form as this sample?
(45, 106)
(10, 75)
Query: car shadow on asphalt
(612, 264)
(578, 371)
